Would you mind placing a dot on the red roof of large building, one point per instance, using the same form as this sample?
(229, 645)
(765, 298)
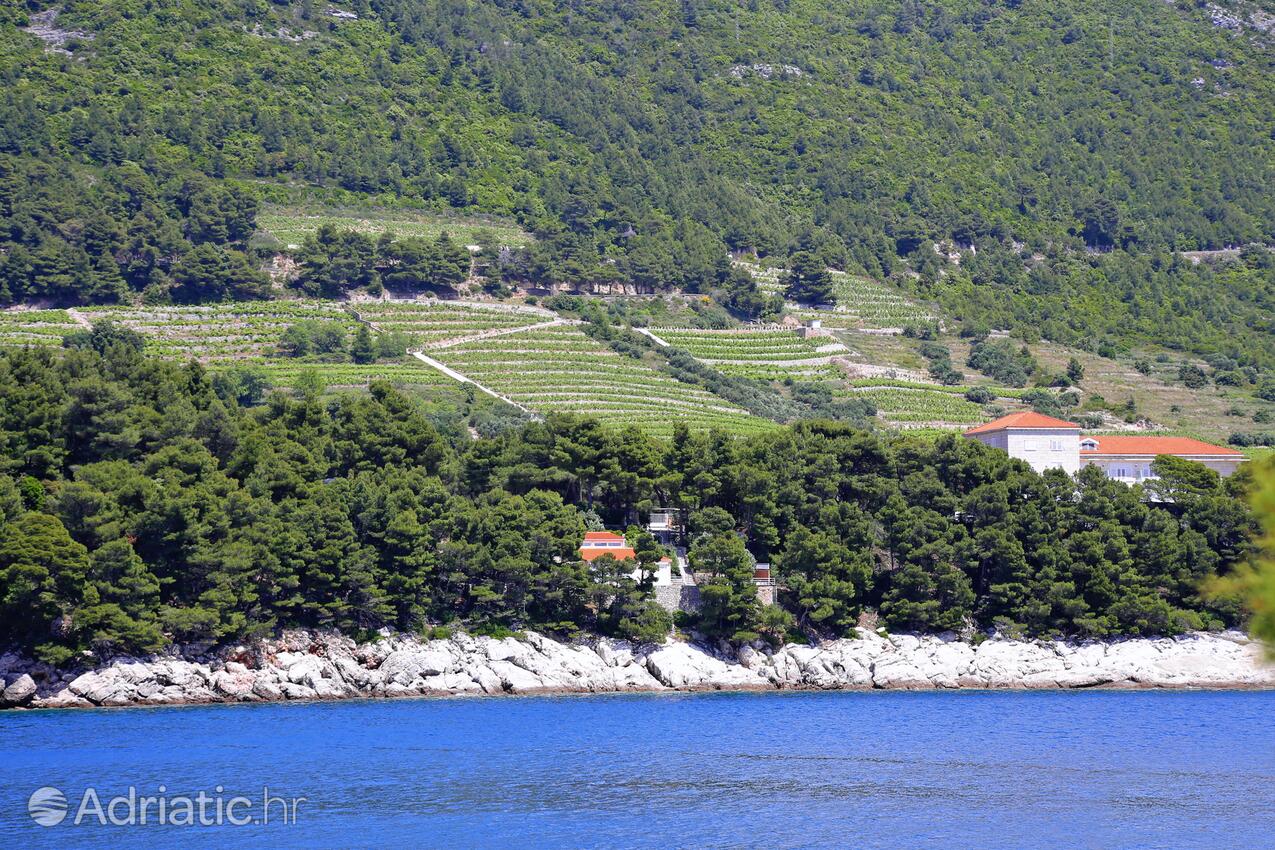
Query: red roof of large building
(596, 537)
(1151, 446)
(617, 552)
(1022, 419)
(599, 543)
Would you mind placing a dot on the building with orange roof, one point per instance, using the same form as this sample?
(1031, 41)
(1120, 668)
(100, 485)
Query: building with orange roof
(599, 543)
(1049, 443)
(1043, 441)
(1128, 457)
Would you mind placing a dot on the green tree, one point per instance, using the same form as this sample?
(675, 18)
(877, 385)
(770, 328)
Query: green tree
(825, 579)
(361, 349)
(42, 576)
(1075, 371)
(121, 602)
(729, 606)
(809, 281)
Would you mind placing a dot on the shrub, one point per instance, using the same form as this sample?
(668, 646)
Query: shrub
(979, 395)
(1192, 376)
(1004, 361)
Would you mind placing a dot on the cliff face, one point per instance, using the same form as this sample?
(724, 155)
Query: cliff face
(305, 666)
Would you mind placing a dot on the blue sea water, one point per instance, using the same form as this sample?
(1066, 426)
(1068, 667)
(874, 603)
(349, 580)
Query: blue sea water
(865, 770)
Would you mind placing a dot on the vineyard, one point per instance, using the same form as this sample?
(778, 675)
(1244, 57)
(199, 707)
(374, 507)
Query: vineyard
(861, 302)
(769, 354)
(959, 390)
(291, 226)
(220, 333)
(427, 324)
(34, 327)
(409, 372)
(561, 369)
(904, 406)
(529, 355)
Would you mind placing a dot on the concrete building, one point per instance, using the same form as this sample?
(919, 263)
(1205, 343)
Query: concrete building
(599, 543)
(1128, 458)
(1043, 441)
(1048, 443)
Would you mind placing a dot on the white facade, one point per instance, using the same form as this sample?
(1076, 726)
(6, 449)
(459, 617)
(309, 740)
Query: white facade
(663, 573)
(1047, 443)
(1135, 469)
(1042, 448)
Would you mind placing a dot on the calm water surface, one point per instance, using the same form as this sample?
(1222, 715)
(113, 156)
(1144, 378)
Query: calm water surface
(866, 770)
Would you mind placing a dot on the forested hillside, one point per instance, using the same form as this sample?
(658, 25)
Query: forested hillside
(141, 504)
(1073, 146)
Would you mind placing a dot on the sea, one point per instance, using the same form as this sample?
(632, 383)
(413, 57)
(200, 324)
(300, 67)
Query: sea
(961, 769)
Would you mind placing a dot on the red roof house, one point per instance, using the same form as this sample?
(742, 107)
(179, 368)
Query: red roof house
(1028, 419)
(599, 543)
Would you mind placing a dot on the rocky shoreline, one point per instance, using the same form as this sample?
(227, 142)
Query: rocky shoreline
(299, 665)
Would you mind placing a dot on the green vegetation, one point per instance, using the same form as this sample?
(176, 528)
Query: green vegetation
(562, 369)
(1254, 584)
(903, 405)
(142, 503)
(292, 227)
(639, 144)
(858, 301)
(769, 354)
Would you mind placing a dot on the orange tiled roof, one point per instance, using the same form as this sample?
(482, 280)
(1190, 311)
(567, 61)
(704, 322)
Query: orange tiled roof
(1022, 419)
(602, 537)
(1132, 445)
(617, 552)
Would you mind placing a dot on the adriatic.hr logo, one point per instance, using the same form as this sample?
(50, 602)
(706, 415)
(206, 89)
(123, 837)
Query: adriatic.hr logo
(47, 806)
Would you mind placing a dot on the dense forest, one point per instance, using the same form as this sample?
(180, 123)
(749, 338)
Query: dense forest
(1067, 150)
(141, 503)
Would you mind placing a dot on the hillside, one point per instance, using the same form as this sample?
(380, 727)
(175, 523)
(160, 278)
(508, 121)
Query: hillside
(1054, 152)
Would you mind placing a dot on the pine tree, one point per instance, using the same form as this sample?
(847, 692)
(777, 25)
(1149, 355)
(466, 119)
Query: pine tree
(362, 349)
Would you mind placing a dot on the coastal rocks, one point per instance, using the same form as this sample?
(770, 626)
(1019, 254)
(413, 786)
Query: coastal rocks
(300, 665)
(682, 666)
(19, 692)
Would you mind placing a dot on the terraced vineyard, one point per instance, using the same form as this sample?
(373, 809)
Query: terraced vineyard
(432, 323)
(219, 333)
(905, 406)
(410, 372)
(291, 225)
(561, 369)
(861, 302)
(35, 327)
(758, 353)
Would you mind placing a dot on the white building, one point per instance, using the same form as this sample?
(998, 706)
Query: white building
(599, 543)
(1128, 458)
(1042, 441)
(1048, 443)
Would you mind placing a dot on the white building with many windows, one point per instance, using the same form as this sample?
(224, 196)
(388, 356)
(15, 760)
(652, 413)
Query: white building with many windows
(1128, 458)
(1043, 441)
(1048, 443)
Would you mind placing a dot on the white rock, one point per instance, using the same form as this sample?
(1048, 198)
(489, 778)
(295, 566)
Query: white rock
(487, 680)
(19, 691)
(680, 665)
(404, 665)
(515, 679)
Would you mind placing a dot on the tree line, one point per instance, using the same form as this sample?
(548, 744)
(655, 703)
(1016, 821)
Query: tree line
(142, 502)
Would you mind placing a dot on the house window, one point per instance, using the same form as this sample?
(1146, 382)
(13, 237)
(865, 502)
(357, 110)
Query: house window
(1055, 445)
(1029, 445)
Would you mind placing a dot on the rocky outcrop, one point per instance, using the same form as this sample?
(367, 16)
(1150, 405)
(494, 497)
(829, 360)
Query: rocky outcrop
(317, 666)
